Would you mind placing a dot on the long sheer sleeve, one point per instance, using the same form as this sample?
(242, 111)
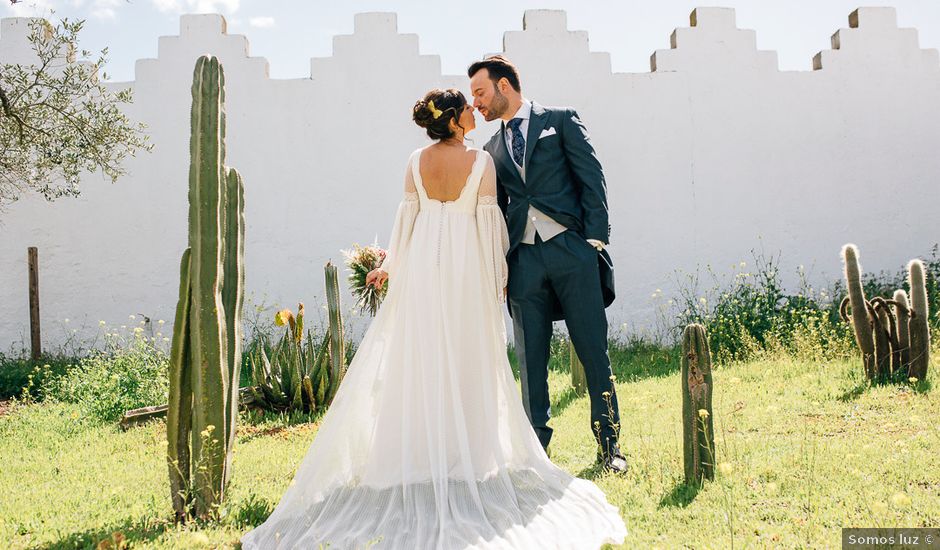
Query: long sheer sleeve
(491, 227)
(404, 223)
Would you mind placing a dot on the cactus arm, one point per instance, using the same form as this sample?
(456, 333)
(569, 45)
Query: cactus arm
(904, 329)
(180, 401)
(919, 324)
(883, 350)
(843, 309)
(233, 291)
(861, 318)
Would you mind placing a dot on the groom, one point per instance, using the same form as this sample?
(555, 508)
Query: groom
(550, 186)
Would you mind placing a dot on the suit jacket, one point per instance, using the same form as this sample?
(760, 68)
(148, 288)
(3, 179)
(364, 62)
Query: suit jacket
(564, 179)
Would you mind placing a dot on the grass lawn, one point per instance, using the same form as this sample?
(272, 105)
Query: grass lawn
(805, 449)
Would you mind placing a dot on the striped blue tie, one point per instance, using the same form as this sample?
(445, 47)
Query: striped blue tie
(518, 142)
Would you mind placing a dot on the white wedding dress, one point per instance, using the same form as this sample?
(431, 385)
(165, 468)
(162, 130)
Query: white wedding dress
(426, 444)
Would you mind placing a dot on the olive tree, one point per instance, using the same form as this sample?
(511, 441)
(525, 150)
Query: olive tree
(58, 119)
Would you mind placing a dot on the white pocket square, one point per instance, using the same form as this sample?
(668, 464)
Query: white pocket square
(548, 132)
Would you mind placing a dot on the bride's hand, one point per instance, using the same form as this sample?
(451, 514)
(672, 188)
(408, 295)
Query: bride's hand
(377, 277)
(505, 292)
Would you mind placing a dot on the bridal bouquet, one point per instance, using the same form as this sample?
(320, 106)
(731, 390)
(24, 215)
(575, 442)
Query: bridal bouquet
(360, 261)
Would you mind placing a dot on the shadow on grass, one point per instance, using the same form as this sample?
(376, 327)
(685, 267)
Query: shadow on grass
(131, 533)
(251, 512)
(273, 419)
(245, 514)
(561, 402)
(592, 472)
(256, 423)
(680, 496)
(630, 361)
(854, 392)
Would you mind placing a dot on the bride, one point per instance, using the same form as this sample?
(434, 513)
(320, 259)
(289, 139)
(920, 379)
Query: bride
(426, 444)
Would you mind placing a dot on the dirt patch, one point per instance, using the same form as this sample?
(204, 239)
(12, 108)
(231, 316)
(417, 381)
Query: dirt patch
(5, 406)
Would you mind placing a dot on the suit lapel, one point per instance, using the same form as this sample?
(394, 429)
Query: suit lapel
(501, 154)
(537, 121)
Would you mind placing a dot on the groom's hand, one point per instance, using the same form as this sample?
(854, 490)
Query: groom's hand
(596, 244)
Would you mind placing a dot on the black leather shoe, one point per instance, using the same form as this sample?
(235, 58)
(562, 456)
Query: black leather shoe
(616, 463)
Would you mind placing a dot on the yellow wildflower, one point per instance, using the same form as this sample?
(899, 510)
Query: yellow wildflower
(283, 317)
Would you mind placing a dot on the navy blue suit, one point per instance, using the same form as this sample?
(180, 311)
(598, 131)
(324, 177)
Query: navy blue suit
(565, 181)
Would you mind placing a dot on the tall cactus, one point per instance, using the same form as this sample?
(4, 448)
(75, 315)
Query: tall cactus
(206, 349)
(698, 433)
(903, 314)
(920, 328)
(337, 345)
(861, 316)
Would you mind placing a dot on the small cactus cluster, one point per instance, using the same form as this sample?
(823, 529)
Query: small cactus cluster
(300, 374)
(205, 355)
(698, 433)
(893, 334)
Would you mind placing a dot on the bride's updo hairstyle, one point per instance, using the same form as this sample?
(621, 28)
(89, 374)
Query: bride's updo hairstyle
(437, 109)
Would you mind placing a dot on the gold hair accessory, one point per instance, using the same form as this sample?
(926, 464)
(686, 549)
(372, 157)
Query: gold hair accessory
(434, 110)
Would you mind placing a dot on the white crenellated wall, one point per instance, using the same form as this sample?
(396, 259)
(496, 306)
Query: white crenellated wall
(712, 153)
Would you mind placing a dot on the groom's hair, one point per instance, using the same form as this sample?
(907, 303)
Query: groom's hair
(498, 67)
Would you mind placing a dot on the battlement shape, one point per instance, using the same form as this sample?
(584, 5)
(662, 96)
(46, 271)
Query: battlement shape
(545, 37)
(561, 59)
(713, 43)
(373, 56)
(200, 34)
(873, 41)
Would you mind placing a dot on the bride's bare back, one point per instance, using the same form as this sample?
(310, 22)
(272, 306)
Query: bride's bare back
(444, 170)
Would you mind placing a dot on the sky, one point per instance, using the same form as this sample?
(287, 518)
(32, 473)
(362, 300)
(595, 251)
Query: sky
(289, 32)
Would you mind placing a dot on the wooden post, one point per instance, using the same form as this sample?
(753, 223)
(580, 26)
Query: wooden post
(698, 430)
(36, 341)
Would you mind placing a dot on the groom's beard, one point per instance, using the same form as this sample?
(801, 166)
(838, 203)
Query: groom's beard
(497, 107)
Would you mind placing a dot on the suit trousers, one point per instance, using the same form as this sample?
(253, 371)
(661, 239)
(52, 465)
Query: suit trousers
(563, 268)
